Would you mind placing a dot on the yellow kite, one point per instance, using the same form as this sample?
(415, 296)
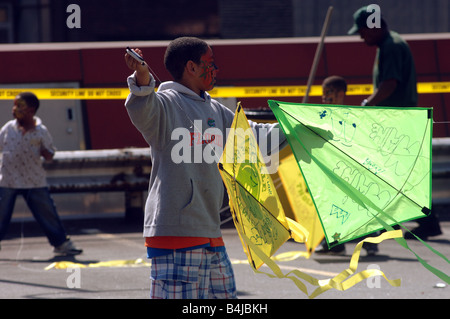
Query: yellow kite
(256, 208)
(301, 202)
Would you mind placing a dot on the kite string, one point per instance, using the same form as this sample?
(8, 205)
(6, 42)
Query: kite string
(157, 78)
(153, 72)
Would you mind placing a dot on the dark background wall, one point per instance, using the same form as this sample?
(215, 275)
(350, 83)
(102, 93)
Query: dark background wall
(118, 20)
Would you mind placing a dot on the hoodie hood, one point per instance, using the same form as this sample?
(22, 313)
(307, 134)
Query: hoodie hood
(180, 88)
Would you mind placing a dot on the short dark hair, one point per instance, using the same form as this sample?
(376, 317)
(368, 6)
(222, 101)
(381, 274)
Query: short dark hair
(182, 50)
(30, 99)
(336, 82)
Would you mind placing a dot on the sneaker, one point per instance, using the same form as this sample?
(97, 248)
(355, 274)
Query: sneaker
(67, 249)
(423, 232)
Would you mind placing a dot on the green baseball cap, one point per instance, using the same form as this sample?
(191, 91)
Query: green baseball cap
(360, 20)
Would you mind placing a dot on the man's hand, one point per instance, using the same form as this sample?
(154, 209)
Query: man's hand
(385, 89)
(142, 74)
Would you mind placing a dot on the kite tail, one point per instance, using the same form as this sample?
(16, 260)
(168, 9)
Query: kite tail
(298, 232)
(340, 282)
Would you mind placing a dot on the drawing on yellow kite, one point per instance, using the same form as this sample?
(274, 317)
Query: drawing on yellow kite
(256, 208)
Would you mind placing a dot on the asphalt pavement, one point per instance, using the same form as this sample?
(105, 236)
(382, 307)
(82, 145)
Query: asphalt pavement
(115, 266)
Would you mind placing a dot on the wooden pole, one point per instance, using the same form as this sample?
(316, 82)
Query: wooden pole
(312, 73)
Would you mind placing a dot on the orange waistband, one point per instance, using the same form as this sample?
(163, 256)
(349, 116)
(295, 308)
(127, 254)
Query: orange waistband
(174, 242)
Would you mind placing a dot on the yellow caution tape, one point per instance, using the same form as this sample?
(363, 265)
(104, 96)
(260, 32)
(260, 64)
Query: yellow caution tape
(316, 90)
(433, 87)
(218, 92)
(264, 91)
(68, 93)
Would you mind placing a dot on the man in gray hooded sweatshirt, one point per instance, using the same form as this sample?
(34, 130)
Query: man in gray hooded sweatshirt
(182, 222)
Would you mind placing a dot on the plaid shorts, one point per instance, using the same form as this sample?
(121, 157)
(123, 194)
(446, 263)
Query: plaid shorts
(192, 274)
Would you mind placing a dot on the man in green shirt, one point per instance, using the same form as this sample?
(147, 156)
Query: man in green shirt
(394, 81)
(394, 74)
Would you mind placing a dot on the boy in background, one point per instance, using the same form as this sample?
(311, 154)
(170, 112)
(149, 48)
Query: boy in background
(23, 141)
(334, 89)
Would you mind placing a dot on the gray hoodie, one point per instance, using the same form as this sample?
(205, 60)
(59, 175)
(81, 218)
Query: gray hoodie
(185, 192)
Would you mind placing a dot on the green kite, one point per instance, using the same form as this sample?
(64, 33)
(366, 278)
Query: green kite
(364, 167)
